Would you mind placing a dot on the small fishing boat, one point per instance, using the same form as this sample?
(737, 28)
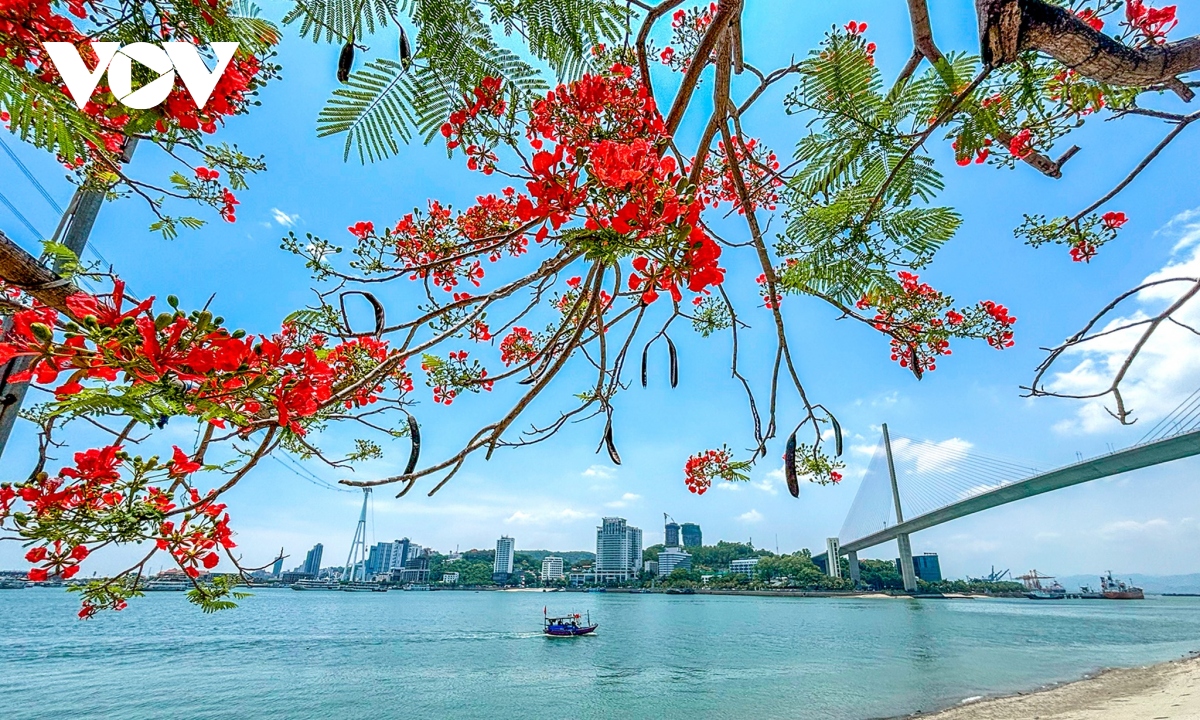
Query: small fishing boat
(567, 626)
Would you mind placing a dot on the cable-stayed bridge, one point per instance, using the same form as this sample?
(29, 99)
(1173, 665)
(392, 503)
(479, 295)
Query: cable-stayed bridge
(912, 485)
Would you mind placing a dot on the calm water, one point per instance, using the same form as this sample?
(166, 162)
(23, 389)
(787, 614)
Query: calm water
(324, 655)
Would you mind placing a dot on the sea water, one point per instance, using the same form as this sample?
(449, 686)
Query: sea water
(463, 654)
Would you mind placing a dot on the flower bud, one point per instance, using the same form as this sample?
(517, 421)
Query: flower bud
(42, 332)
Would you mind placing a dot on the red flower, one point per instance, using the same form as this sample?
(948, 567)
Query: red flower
(1019, 146)
(181, 464)
(1089, 16)
(37, 574)
(1113, 220)
(362, 229)
(1154, 23)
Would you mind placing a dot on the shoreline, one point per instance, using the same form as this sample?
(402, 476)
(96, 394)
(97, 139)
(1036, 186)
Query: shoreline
(1168, 690)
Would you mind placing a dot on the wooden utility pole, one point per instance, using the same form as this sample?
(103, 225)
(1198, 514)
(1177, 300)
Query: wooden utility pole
(22, 270)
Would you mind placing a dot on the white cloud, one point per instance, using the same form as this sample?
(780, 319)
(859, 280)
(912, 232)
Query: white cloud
(1165, 370)
(522, 517)
(1128, 527)
(930, 456)
(601, 472)
(770, 484)
(752, 516)
(625, 500)
(283, 218)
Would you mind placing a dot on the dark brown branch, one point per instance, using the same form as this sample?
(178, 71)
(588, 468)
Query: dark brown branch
(1009, 27)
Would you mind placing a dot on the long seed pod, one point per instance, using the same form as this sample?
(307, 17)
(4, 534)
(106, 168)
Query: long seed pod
(674, 362)
(608, 442)
(645, 354)
(405, 49)
(414, 434)
(789, 466)
(375, 305)
(837, 435)
(345, 61)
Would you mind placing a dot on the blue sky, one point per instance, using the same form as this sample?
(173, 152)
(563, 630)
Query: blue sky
(552, 495)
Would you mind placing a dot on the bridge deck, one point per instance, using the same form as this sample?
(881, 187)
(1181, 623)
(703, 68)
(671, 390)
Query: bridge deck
(1122, 461)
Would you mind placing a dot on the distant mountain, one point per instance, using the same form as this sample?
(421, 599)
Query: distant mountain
(1149, 583)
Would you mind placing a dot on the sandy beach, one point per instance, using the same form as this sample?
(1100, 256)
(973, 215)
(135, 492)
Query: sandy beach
(1170, 691)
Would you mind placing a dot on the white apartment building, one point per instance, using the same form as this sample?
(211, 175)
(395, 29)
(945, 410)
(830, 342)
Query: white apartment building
(671, 558)
(618, 550)
(450, 578)
(552, 568)
(505, 549)
(744, 566)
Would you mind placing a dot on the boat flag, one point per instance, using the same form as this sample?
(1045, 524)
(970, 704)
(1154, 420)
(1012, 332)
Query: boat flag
(544, 609)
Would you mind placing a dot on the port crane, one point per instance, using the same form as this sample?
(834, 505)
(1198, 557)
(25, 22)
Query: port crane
(993, 576)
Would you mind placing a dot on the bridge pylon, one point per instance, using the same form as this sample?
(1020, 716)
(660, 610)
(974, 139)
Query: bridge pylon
(907, 573)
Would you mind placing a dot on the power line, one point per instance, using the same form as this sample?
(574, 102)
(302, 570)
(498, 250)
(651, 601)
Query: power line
(32, 179)
(25, 221)
(293, 466)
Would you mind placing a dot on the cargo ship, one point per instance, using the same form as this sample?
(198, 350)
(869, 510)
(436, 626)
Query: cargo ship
(1119, 590)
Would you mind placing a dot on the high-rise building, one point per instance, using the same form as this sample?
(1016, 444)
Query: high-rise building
(691, 535)
(672, 558)
(552, 568)
(277, 568)
(671, 532)
(503, 566)
(312, 560)
(379, 558)
(833, 557)
(635, 551)
(402, 551)
(618, 550)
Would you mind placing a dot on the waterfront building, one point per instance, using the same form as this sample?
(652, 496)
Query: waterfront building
(651, 566)
(552, 568)
(503, 566)
(277, 568)
(745, 566)
(577, 579)
(671, 534)
(671, 558)
(691, 535)
(450, 578)
(618, 550)
(926, 567)
(293, 576)
(312, 560)
(416, 569)
(833, 557)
